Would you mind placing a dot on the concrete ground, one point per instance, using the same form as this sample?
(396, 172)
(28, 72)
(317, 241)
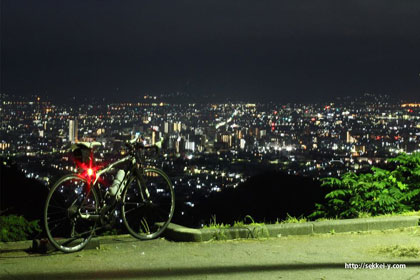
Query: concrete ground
(322, 256)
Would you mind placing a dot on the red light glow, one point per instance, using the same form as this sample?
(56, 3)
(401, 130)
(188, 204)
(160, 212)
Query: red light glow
(88, 170)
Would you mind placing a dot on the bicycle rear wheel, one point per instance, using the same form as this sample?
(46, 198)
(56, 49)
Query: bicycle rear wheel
(148, 204)
(69, 203)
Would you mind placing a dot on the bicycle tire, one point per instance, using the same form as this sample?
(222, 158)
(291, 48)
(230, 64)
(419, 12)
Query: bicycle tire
(65, 228)
(148, 204)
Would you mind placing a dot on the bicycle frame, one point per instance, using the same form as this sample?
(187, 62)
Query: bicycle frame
(111, 166)
(120, 187)
(145, 212)
(134, 167)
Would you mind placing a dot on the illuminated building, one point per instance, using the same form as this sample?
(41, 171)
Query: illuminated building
(73, 131)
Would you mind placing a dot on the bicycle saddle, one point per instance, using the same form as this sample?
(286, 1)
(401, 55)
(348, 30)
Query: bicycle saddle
(88, 145)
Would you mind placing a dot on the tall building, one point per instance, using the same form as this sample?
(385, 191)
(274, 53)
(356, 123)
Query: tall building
(350, 139)
(190, 146)
(180, 145)
(73, 131)
(177, 127)
(155, 137)
(242, 144)
(226, 138)
(167, 128)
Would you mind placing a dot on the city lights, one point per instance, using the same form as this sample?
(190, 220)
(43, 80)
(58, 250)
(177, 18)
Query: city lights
(212, 144)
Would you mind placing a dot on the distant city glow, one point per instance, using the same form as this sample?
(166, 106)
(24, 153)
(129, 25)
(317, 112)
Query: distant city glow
(210, 147)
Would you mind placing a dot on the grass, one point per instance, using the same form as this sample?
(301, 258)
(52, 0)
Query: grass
(368, 215)
(236, 224)
(249, 221)
(16, 228)
(409, 213)
(255, 230)
(214, 225)
(292, 220)
(399, 251)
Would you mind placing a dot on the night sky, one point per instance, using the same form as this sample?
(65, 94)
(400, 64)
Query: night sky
(273, 50)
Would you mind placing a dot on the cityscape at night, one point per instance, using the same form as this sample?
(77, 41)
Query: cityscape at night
(193, 125)
(314, 140)
(207, 147)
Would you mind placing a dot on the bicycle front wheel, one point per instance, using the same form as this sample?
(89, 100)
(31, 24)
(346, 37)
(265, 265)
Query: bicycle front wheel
(69, 205)
(148, 204)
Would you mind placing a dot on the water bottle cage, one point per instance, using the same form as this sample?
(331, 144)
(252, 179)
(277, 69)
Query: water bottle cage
(118, 180)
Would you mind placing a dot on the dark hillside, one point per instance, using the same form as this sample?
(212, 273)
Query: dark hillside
(265, 197)
(20, 195)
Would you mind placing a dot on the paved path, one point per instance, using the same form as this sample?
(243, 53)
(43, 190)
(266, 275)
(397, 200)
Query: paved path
(295, 257)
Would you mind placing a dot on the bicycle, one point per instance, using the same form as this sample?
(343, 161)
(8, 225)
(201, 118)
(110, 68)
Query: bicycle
(77, 206)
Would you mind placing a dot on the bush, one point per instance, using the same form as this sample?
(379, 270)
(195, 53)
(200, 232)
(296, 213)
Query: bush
(16, 228)
(407, 171)
(379, 192)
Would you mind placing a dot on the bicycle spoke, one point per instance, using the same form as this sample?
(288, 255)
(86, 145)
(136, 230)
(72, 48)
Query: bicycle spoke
(57, 213)
(140, 216)
(133, 203)
(54, 228)
(75, 237)
(65, 200)
(56, 202)
(131, 210)
(164, 214)
(53, 206)
(54, 221)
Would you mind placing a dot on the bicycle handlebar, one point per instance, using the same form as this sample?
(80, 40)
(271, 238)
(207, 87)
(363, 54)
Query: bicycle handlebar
(132, 141)
(134, 145)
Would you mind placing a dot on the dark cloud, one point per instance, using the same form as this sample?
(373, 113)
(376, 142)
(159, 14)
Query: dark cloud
(276, 49)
